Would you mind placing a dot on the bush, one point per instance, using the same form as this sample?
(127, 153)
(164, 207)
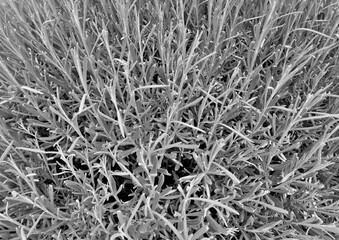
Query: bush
(169, 119)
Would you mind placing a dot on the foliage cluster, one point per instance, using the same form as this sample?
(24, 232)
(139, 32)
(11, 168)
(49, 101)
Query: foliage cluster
(170, 119)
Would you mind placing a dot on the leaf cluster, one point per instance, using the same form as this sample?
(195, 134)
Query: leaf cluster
(169, 119)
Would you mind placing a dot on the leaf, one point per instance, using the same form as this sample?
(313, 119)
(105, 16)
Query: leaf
(218, 228)
(277, 209)
(188, 125)
(200, 232)
(237, 132)
(74, 186)
(36, 150)
(168, 223)
(178, 145)
(228, 173)
(31, 90)
(4, 154)
(313, 31)
(250, 194)
(215, 203)
(266, 228)
(328, 228)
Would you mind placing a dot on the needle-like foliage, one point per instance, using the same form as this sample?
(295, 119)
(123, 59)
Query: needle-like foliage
(169, 119)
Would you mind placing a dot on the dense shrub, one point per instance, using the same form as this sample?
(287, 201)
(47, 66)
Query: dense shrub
(170, 119)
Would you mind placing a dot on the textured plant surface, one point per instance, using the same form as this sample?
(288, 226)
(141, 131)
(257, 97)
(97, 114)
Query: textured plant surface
(170, 119)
